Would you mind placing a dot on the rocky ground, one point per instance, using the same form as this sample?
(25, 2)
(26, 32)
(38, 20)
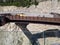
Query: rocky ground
(11, 34)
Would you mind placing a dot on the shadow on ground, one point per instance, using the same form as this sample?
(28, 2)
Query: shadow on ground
(34, 37)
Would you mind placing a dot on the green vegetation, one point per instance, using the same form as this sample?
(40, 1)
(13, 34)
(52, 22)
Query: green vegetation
(18, 2)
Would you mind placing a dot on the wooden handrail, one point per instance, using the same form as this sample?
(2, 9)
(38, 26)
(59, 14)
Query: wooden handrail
(33, 18)
(28, 19)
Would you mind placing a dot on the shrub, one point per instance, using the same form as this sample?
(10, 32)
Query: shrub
(18, 3)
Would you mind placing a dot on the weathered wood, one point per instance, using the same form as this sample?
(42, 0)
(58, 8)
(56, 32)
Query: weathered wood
(29, 19)
(32, 18)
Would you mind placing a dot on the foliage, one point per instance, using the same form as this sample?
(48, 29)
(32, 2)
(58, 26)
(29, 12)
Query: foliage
(18, 3)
